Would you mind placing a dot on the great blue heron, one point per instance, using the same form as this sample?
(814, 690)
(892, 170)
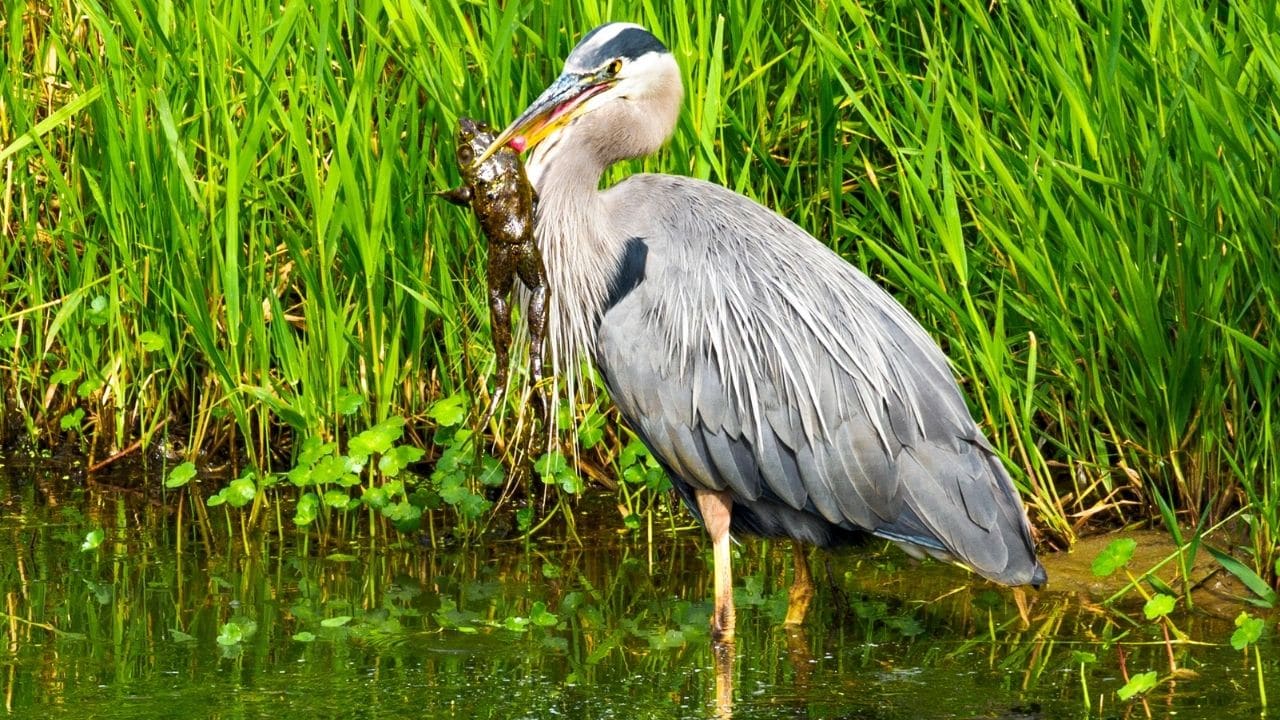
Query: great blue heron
(786, 393)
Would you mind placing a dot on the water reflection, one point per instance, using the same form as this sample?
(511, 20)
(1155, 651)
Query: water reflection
(723, 653)
(614, 627)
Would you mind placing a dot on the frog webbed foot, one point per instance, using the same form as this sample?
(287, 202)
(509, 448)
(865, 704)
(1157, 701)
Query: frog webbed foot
(458, 196)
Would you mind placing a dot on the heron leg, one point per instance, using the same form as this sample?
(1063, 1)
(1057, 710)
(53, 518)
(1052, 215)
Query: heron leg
(716, 509)
(801, 586)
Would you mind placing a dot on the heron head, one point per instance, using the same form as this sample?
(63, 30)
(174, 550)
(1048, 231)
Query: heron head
(618, 78)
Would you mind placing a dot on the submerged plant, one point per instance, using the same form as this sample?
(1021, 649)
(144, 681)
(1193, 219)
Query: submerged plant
(1139, 684)
(92, 540)
(1249, 631)
(1084, 659)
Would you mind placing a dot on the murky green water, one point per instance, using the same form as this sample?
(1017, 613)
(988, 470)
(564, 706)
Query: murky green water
(146, 627)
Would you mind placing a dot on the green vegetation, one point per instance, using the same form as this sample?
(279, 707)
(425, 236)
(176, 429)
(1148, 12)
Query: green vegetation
(222, 239)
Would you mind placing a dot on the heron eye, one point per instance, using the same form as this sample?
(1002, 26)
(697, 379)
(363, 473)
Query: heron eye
(615, 66)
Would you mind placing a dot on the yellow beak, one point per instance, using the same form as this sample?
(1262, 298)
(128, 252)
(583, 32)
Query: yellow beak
(555, 107)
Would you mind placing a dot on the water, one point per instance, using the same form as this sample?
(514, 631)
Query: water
(614, 627)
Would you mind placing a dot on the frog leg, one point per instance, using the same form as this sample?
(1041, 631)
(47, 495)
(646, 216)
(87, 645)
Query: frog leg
(501, 277)
(534, 275)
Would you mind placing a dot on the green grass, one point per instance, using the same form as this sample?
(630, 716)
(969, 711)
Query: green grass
(221, 228)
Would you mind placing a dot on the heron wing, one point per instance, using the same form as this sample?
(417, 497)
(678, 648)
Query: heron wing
(752, 358)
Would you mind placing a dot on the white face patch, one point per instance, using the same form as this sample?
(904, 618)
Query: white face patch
(638, 76)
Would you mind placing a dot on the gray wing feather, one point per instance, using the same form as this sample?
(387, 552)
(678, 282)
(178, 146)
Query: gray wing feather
(938, 489)
(754, 359)
(781, 473)
(734, 463)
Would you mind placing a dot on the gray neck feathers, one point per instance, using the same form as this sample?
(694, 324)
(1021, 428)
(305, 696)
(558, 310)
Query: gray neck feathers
(578, 247)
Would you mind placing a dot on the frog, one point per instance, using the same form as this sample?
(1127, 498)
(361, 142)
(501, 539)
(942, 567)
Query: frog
(503, 200)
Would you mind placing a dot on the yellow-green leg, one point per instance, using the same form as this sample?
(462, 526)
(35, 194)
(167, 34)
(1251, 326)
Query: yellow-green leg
(716, 508)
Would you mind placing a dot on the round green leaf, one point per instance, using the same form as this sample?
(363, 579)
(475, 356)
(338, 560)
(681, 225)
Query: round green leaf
(181, 475)
(65, 376)
(541, 617)
(491, 472)
(1114, 556)
(377, 439)
(1084, 658)
(348, 401)
(1248, 631)
(1158, 606)
(338, 499)
(374, 497)
(231, 634)
(92, 540)
(449, 411)
(151, 341)
(241, 491)
(550, 465)
(305, 514)
(1138, 684)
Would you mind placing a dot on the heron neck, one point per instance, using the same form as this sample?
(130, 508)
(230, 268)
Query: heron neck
(578, 244)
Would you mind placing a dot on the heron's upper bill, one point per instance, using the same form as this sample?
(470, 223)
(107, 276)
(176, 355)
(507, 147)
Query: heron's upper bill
(553, 109)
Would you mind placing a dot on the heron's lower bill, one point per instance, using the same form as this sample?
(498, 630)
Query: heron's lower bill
(565, 107)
